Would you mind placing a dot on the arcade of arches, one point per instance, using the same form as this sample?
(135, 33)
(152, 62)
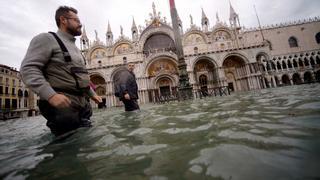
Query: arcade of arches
(161, 76)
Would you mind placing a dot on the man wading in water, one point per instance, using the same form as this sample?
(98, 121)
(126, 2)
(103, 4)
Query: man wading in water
(55, 70)
(126, 88)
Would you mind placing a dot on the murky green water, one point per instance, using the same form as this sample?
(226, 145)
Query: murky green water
(268, 134)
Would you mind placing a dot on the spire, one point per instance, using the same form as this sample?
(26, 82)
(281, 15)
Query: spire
(233, 14)
(204, 21)
(234, 17)
(121, 30)
(109, 36)
(84, 41)
(204, 17)
(96, 33)
(133, 27)
(191, 19)
(109, 28)
(180, 23)
(203, 14)
(134, 30)
(84, 33)
(217, 16)
(179, 20)
(154, 9)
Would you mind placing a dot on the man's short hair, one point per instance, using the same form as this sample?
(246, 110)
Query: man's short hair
(63, 11)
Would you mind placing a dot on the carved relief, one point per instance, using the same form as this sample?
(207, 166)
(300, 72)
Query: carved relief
(123, 48)
(194, 39)
(98, 53)
(164, 82)
(204, 66)
(162, 66)
(221, 36)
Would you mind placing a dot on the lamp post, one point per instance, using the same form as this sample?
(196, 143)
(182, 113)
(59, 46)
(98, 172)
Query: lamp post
(185, 90)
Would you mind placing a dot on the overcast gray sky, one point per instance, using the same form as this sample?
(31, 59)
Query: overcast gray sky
(20, 20)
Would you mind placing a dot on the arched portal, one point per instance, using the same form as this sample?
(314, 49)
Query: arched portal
(97, 79)
(165, 86)
(205, 74)
(318, 75)
(285, 80)
(234, 68)
(296, 79)
(99, 84)
(307, 77)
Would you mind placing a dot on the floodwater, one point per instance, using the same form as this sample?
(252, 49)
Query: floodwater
(267, 134)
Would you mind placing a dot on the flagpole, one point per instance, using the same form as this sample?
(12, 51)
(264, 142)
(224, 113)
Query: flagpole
(185, 90)
(255, 10)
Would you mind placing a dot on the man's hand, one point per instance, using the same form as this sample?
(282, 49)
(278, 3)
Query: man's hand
(127, 96)
(59, 101)
(97, 99)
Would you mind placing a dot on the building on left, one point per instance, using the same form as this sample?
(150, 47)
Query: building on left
(16, 100)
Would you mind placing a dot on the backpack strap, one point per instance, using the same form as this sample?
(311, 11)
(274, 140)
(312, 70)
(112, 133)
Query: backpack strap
(65, 51)
(67, 58)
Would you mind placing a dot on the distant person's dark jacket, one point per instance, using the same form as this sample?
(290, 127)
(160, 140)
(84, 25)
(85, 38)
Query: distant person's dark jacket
(125, 82)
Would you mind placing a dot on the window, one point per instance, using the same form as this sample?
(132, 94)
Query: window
(26, 94)
(124, 60)
(195, 50)
(13, 91)
(7, 90)
(293, 42)
(318, 37)
(1, 90)
(20, 93)
(7, 103)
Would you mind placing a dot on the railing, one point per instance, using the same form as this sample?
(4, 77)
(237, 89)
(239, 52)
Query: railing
(217, 91)
(166, 98)
(221, 91)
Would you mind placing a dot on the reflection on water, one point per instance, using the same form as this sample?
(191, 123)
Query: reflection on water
(267, 134)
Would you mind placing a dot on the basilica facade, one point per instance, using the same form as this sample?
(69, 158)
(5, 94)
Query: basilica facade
(216, 55)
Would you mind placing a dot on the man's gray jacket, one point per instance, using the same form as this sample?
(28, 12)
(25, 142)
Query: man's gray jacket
(44, 68)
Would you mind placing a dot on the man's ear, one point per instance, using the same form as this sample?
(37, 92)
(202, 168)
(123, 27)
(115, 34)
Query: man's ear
(62, 20)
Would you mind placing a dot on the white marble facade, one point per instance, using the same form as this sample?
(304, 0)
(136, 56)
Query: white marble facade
(219, 55)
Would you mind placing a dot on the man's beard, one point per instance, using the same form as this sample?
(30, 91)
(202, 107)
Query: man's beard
(74, 31)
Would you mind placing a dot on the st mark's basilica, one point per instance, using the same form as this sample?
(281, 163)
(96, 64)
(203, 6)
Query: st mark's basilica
(216, 55)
